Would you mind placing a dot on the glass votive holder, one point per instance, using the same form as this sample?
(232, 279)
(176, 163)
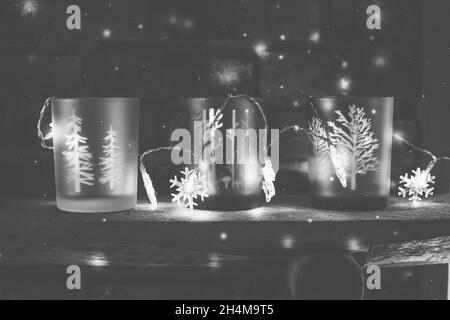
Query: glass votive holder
(231, 161)
(360, 130)
(95, 143)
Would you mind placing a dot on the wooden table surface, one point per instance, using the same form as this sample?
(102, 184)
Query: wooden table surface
(35, 232)
(177, 253)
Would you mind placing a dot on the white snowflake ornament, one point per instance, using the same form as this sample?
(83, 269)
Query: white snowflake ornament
(268, 178)
(189, 188)
(416, 186)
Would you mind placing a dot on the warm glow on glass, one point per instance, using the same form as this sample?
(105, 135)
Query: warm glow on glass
(352, 169)
(95, 145)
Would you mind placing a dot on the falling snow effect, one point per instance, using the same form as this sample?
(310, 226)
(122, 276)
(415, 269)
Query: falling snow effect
(417, 185)
(190, 187)
(28, 7)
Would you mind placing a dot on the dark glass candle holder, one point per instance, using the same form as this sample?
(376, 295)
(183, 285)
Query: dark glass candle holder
(232, 167)
(360, 130)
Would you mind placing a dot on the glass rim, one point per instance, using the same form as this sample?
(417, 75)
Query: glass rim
(215, 98)
(96, 98)
(351, 97)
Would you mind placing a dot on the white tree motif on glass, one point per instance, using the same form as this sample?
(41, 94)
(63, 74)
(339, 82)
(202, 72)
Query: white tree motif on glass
(210, 122)
(318, 138)
(214, 122)
(111, 162)
(355, 142)
(320, 146)
(78, 158)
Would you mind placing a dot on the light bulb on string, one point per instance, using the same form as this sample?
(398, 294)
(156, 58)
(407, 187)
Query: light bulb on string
(419, 184)
(193, 185)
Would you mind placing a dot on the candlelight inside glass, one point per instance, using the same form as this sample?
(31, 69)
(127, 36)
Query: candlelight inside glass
(360, 128)
(95, 153)
(233, 170)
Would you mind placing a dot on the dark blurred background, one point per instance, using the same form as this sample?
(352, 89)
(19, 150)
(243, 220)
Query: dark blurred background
(280, 50)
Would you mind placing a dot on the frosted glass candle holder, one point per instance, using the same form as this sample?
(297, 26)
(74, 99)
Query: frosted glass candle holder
(360, 128)
(95, 152)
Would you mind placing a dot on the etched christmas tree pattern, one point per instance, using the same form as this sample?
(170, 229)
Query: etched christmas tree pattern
(355, 143)
(214, 122)
(111, 162)
(78, 158)
(210, 122)
(320, 146)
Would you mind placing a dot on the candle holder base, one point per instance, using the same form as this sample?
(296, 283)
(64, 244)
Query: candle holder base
(231, 202)
(96, 204)
(363, 203)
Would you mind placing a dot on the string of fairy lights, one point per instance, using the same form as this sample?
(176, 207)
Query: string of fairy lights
(419, 184)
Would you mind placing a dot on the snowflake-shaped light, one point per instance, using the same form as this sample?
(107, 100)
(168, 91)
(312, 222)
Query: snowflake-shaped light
(189, 188)
(417, 185)
(268, 178)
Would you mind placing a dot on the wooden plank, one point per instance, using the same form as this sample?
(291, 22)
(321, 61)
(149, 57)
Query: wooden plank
(207, 258)
(282, 208)
(173, 241)
(288, 224)
(448, 282)
(417, 252)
